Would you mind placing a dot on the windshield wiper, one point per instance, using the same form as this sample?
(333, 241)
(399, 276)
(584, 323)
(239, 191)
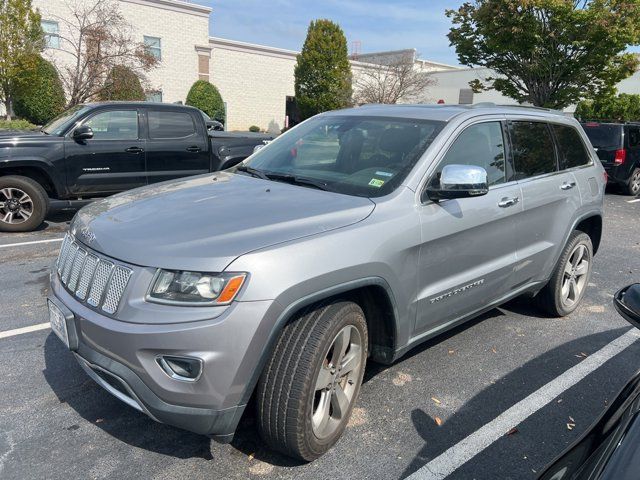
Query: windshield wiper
(252, 171)
(295, 180)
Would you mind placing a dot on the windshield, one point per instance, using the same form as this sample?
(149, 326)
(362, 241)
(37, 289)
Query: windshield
(354, 155)
(58, 125)
(604, 135)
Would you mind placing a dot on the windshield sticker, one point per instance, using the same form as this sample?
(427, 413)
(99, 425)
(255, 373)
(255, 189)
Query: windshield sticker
(375, 182)
(384, 174)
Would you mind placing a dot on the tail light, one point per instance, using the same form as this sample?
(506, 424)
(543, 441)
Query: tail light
(621, 156)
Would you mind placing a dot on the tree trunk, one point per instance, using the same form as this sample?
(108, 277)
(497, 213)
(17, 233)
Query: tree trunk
(8, 108)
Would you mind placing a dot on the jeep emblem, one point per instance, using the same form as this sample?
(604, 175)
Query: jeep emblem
(87, 234)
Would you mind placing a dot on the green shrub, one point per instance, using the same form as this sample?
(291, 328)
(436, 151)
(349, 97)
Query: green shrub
(254, 128)
(621, 108)
(41, 96)
(206, 97)
(122, 84)
(16, 125)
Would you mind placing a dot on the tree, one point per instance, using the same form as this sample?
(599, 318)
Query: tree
(393, 82)
(123, 84)
(40, 96)
(206, 97)
(550, 53)
(95, 38)
(322, 72)
(21, 37)
(620, 108)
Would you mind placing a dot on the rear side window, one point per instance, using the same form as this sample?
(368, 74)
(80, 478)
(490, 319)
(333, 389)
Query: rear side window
(533, 150)
(167, 124)
(570, 147)
(634, 137)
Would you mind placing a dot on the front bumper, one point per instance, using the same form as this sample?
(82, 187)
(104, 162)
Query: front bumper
(121, 357)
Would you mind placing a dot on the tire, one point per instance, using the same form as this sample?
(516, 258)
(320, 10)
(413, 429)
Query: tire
(553, 298)
(633, 186)
(287, 397)
(36, 203)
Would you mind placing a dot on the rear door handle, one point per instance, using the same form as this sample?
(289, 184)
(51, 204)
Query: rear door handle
(508, 202)
(134, 150)
(567, 185)
(193, 149)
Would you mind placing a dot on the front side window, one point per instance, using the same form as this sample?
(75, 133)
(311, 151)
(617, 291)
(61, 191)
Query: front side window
(51, 33)
(481, 145)
(570, 147)
(533, 150)
(166, 124)
(114, 125)
(153, 46)
(354, 155)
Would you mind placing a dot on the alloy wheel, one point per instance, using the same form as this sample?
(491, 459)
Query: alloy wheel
(336, 383)
(575, 275)
(16, 206)
(634, 183)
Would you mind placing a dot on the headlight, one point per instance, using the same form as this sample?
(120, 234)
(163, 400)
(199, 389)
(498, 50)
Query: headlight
(194, 288)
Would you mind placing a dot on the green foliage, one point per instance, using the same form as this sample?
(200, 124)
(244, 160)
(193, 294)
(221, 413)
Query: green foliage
(323, 72)
(16, 125)
(254, 128)
(550, 53)
(21, 37)
(206, 97)
(122, 84)
(40, 96)
(620, 108)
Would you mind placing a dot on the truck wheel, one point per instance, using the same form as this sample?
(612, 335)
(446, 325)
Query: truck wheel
(309, 385)
(23, 204)
(633, 187)
(569, 281)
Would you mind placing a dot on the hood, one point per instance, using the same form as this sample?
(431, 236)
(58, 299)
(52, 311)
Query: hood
(21, 133)
(203, 223)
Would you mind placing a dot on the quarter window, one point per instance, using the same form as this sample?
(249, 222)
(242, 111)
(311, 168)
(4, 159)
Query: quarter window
(481, 145)
(153, 46)
(114, 125)
(570, 147)
(166, 124)
(51, 33)
(533, 150)
(634, 137)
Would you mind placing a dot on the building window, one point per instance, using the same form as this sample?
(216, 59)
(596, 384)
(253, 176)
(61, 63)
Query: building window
(51, 33)
(155, 96)
(466, 96)
(153, 46)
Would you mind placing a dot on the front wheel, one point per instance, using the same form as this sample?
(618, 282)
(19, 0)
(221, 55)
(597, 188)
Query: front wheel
(23, 204)
(310, 384)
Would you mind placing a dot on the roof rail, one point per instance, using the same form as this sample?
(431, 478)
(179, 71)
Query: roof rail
(528, 107)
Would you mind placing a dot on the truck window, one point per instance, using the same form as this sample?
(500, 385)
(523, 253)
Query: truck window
(570, 147)
(114, 125)
(168, 124)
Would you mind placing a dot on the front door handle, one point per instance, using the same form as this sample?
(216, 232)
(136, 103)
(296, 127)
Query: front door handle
(193, 149)
(134, 150)
(508, 202)
(567, 185)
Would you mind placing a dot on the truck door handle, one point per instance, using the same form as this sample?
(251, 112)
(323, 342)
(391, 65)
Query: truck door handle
(134, 150)
(193, 149)
(567, 185)
(508, 202)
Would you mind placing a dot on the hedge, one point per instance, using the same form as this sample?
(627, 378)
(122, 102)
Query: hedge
(206, 97)
(41, 97)
(122, 84)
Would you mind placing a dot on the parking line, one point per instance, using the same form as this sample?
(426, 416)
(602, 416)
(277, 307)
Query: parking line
(20, 331)
(31, 243)
(456, 456)
(634, 201)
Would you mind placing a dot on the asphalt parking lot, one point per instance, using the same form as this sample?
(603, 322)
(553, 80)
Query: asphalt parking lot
(448, 406)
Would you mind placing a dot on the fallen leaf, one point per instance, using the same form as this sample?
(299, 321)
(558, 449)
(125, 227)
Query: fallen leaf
(494, 350)
(436, 400)
(572, 420)
(100, 420)
(559, 400)
(512, 431)
(570, 426)
(438, 421)
(251, 455)
(451, 352)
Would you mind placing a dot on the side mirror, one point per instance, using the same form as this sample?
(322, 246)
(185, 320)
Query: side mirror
(83, 132)
(460, 181)
(627, 303)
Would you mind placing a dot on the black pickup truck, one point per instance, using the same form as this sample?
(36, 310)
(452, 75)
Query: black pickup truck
(99, 149)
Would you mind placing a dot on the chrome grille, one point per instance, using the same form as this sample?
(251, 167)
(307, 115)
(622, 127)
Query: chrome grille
(100, 281)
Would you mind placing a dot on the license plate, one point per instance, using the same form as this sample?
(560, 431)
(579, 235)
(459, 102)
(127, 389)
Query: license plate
(58, 323)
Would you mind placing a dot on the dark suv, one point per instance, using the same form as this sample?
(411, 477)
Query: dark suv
(618, 146)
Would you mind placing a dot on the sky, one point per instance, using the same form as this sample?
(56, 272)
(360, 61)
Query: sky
(378, 25)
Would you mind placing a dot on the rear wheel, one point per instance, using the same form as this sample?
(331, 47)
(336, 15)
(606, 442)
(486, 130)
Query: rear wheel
(569, 281)
(633, 187)
(23, 204)
(311, 382)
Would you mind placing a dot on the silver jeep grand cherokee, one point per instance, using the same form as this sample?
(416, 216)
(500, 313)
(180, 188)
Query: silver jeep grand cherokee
(356, 235)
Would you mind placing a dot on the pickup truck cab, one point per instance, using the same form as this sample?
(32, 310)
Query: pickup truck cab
(98, 149)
